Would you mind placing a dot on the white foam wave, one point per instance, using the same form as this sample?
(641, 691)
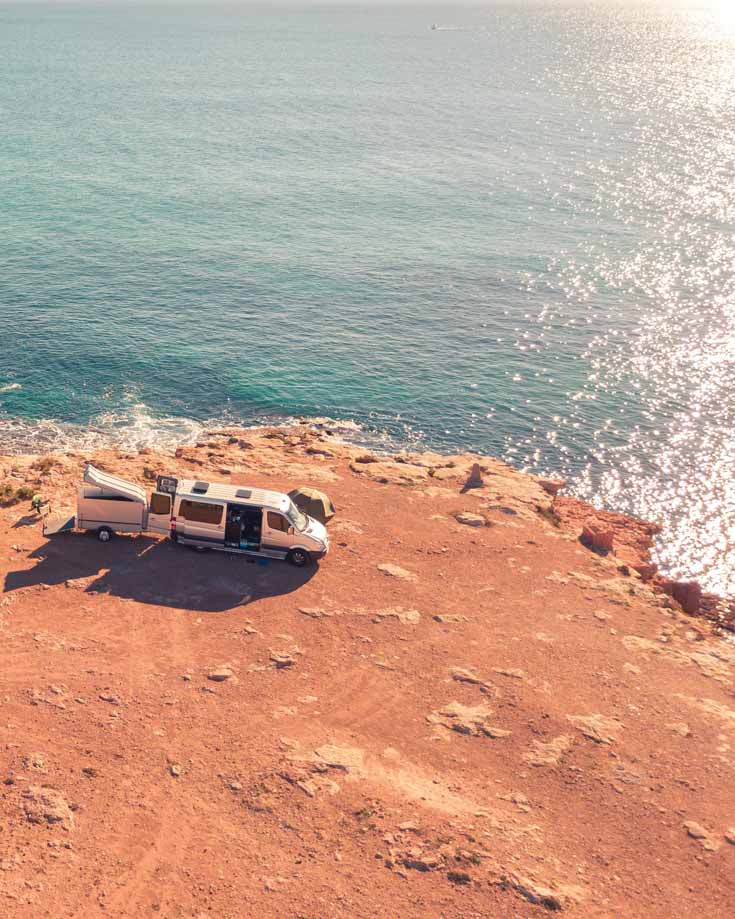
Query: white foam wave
(135, 427)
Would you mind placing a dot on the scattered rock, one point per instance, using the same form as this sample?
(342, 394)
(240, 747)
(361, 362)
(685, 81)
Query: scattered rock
(391, 473)
(394, 571)
(35, 761)
(404, 616)
(470, 520)
(549, 753)
(601, 729)
(462, 675)
(349, 759)
(222, 674)
(698, 832)
(316, 612)
(109, 697)
(552, 486)
(513, 672)
(467, 720)
(554, 898)
(281, 661)
(730, 835)
(46, 805)
(417, 861)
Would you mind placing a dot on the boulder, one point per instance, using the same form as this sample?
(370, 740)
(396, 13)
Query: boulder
(688, 594)
(474, 480)
(221, 674)
(596, 536)
(470, 520)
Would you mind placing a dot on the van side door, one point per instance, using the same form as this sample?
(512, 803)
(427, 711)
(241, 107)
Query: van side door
(201, 521)
(277, 533)
(159, 513)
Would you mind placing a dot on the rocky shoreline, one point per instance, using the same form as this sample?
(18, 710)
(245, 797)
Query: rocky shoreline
(624, 538)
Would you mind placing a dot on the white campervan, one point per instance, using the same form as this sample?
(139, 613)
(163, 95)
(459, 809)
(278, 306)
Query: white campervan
(205, 515)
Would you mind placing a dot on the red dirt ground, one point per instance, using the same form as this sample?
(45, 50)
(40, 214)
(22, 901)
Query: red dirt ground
(510, 727)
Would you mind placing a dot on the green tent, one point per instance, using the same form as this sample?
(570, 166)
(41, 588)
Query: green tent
(314, 503)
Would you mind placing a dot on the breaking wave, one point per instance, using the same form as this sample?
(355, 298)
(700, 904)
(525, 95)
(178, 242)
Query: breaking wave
(136, 428)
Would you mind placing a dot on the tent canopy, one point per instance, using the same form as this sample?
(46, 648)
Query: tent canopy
(111, 484)
(313, 502)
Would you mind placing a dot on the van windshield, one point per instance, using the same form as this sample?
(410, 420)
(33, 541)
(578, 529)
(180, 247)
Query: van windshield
(296, 518)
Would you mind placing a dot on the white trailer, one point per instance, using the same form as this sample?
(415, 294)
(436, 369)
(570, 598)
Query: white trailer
(249, 521)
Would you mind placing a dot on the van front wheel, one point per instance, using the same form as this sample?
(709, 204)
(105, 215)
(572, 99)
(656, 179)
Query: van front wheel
(299, 558)
(104, 534)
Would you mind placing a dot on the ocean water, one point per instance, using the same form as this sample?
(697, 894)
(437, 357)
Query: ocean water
(512, 233)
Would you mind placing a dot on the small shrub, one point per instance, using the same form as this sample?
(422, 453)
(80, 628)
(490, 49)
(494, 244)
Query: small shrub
(10, 495)
(459, 877)
(45, 464)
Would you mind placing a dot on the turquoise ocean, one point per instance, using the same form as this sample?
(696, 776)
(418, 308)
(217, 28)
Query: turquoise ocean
(511, 233)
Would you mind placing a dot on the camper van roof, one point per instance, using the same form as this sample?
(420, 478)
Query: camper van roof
(114, 485)
(242, 494)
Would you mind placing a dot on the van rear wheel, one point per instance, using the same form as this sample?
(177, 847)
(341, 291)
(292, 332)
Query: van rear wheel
(104, 534)
(299, 558)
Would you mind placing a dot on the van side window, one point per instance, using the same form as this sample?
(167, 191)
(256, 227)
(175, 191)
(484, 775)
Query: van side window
(277, 522)
(198, 512)
(160, 504)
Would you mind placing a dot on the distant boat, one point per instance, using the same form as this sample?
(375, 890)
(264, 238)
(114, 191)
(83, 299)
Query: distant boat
(434, 27)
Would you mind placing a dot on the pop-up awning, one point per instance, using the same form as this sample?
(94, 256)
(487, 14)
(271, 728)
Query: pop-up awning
(113, 485)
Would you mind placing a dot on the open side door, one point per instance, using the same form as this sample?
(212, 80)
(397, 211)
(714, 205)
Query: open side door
(159, 513)
(59, 523)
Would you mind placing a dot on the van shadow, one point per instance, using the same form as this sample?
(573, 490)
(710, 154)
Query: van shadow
(158, 572)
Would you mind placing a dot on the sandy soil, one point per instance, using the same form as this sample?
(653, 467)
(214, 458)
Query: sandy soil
(499, 722)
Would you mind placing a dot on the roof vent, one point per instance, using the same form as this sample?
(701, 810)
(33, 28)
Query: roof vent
(200, 488)
(243, 493)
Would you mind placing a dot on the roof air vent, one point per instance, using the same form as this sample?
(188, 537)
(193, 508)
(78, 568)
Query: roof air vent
(243, 493)
(200, 488)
